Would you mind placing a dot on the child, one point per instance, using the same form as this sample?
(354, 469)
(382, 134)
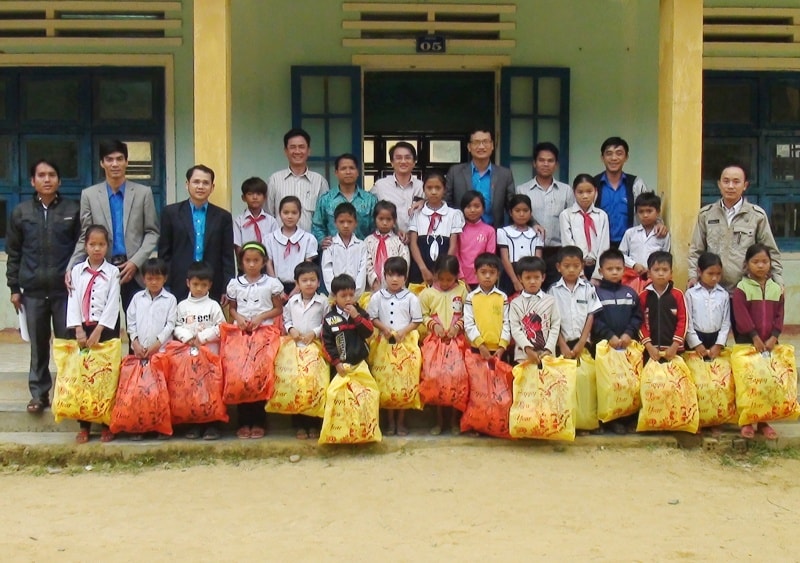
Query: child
(346, 327)
(576, 300)
(534, 318)
(93, 305)
(640, 241)
(395, 312)
(197, 324)
(584, 225)
(289, 246)
(347, 254)
(708, 308)
(255, 300)
(383, 244)
(302, 318)
(486, 310)
(517, 241)
(433, 230)
(663, 310)
(255, 223)
(758, 313)
(476, 238)
(442, 313)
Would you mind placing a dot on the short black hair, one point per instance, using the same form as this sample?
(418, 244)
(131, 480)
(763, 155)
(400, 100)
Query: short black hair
(111, 146)
(396, 266)
(200, 168)
(342, 282)
(345, 208)
(304, 268)
(545, 146)
(659, 257)
(403, 145)
(296, 132)
(471, 195)
(481, 129)
(614, 142)
(647, 199)
(490, 260)
(384, 205)
(36, 164)
(733, 164)
(530, 264)
(96, 229)
(155, 267)
(200, 271)
(345, 156)
(611, 254)
(254, 185)
(569, 252)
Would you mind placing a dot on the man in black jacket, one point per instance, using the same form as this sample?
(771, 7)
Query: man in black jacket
(40, 240)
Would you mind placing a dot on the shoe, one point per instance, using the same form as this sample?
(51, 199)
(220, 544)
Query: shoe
(107, 435)
(436, 430)
(301, 434)
(619, 428)
(313, 434)
(82, 437)
(35, 406)
(193, 433)
(256, 433)
(211, 433)
(243, 433)
(137, 437)
(161, 436)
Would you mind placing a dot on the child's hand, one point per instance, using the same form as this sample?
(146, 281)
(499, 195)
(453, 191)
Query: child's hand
(453, 332)
(770, 343)
(400, 335)
(154, 347)
(565, 350)
(484, 351)
(438, 330)
(93, 339)
(671, 352)
(759, 344)
(653, 352)
(625, 341)
(532, 355)
(295, 335)
(138, 350)
(615, 343)
(498, 354)
(352, 311)
(340, 369)
(701, 350)
(578, 349)
(308, 338)
(386, 332)
(715, 351)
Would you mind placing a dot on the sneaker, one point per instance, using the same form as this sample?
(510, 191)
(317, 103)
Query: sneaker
(211, 433)
(193, 433)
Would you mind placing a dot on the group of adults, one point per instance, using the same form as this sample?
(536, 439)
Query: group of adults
(45, 234)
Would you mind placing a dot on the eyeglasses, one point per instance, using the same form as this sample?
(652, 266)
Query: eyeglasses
(481, 143)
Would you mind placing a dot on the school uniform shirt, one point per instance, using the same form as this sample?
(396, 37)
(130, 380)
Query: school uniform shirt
(200, 317)
(519, 243)
(351, 259)
(440, 222)
(254, 298)
(535, 321)
(637, 245)
(308, 187)
(664, 316)
(244, 227)
(573, 230)
(443, 307)
(709, 310)
(475, 239)
(403, 197)
(287, 252)
(394, 248)
(395, 310)
(150, 318)
(574, 305)
(305, 316)
(620, 313)
(547, 205)
(345, 338)
(103, 296)
(486, 319)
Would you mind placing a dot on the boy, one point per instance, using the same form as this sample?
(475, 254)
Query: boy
(641, 241)
(576, 300)
(302, 317)
(663, 309)
(153, 311)
(346, 327)
(347, 254)
(533, 315)
(396, 312)
(486, 310)
(254, 223)
(620, 317)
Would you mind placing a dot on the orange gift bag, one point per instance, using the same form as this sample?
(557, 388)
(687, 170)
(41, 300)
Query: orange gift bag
(142, 403)
(490, 384)
(444, 380)
(248, 363)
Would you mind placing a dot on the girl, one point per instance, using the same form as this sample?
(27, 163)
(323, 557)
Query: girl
(288, 246)
(383, 244)
(433, 230)
(758, 311)
(442, 314)
(584, 225)
(517, 241)
(476, 238)
(709, 309)
(93, 305)
(255, 300)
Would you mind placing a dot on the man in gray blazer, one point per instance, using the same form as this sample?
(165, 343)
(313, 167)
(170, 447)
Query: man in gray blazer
(128, 211)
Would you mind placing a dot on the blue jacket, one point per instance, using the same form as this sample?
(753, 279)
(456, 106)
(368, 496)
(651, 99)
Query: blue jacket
(620, 314)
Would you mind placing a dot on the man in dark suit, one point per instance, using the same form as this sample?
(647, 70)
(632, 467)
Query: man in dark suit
(196, 230)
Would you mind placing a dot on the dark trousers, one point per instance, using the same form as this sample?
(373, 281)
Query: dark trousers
(127, 291)
(42, 313)
(252, 414)
(550, 256)
(106, 335)
(707, 339)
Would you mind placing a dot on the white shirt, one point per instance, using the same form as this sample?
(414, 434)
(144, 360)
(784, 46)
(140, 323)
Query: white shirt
(254, 298)
(307, 186)
(349, 259)
(389, 189)
(573, 234)
(395, 310)
(637, 245)
(452, 221)
(574, 305)
(709, 310)
(547, 204)
(394, 247)
(104, 301)
(519, 243)
(305, 316)
(244, 232)
(304, 247)
(150, 318)
(731, 213)
(200, 317)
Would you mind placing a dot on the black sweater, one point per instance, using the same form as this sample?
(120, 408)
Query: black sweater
(345, 340)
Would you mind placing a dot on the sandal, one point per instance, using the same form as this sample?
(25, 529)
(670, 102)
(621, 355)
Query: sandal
(747, 432)
(107, 435)
(402, 431)
(36, 406)
(211, 433)
(313, 434)
(82, 437)
(193, 433)
(256, 432)
(436, 430)
(244, 433)
(768, 431)
(301, 434)
(137, 437)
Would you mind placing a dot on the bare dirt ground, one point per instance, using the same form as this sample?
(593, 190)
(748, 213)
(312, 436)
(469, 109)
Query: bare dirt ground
(436, 504)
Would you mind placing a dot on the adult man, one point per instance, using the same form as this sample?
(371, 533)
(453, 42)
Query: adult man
(297, 180)
(195, 230)
(401, 188)
(40, 240)
(728, 227)
(128, 211)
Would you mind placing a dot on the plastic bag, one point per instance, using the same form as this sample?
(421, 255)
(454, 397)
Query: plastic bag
(396, 369)
(490, 384)
(301, 379)
(716, 396)
(351, 409)
(766, 387)
(142, 403)
(248, 363)
(87, 380)
(617, 373)
(669, 397)
(543, 403)
(586, 394)
(635, 281)
(194, 381)
(443, 380)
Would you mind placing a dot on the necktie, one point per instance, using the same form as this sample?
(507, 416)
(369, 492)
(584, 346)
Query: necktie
(381, 255)
(434, 224)
(588, 228)
(289, 245)
(253, 222)
(87, 295)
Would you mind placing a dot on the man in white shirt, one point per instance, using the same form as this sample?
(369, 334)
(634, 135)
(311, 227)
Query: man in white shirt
(401, 188)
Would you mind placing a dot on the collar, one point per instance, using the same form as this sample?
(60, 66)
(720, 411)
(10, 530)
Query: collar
(475, 169)
(191, 299)
(298, 297)
(52, 203)
(441, 211)
(120, 191)
(338, 240)
(736, 206)
(562, 283)
(194, 208)
(290, 173)
(103, 267)
(577, 208)
(669, 287)
(342, 313)
(604, 283)
(160, 294)
(513, 232)
(404, 186)
(379, 234)
(479, 290)
(553, 185)
(337, 191)
(399, 295)
(537, 294)
(243, 280)
(750, 281)
(284, 240)
(604, 180)
(698, 288)
(247, 214)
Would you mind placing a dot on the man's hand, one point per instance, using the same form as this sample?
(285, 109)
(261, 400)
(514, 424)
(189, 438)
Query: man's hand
(68, 281)
(640, 268)
(660, 230)
(127, 271)
(539, 231)
(16, 300)
(326, 242)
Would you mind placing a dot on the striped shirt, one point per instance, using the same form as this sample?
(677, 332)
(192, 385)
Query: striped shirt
(307, 186)
(547, 204)
(389, 189)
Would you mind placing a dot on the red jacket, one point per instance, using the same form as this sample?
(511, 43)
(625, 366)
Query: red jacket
(664, 316)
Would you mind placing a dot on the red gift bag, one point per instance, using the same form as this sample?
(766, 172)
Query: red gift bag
(142, 403)
(444, 380)
(490, 385)
(635, 281)
(248, 363)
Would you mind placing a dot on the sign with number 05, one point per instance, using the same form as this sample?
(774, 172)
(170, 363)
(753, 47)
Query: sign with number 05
(431, 44)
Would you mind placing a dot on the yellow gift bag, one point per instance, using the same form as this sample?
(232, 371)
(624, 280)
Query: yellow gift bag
(669, 397)
(396, 368)
(543, 404)
(617, 380)
(301, 379)
(351, 409)
(766, 386)
(87, 380)
(586, 394)
(716, 397)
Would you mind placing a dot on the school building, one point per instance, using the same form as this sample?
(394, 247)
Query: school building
(688, 83)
